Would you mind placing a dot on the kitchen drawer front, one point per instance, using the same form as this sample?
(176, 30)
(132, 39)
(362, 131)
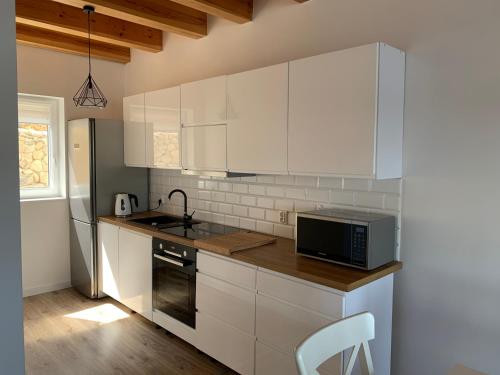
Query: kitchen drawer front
(226, 270)
(284, 326)
(225, 343)
(269, 361)
(300, 294)
(229, 303)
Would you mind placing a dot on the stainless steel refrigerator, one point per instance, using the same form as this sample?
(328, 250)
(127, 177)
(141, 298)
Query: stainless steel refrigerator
(96, 171)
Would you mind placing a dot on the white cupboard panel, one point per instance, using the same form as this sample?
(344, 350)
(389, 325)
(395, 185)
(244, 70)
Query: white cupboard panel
(108, 259)
(204, 102)
(332, 113)
(225, 343)
(134, 131)
(229, 303)
(228, 271)
(135, 272)
(300, 294)
(269, 361)
(204, 148)
(257, 120)
(163, 128)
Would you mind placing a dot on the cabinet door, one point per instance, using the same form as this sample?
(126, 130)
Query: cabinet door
(257, 120)
(108, 259)
(134, 131)
(163, 127)
(204, 102)
(135, 272)
(204, 147)
(227, 344)
(332, 113)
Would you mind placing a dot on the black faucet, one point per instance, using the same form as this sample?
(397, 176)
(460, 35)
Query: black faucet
(186, 216)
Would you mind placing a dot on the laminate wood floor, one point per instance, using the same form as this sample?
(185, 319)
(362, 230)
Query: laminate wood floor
(66, 333)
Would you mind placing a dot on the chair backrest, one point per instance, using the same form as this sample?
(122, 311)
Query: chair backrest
(344, 334)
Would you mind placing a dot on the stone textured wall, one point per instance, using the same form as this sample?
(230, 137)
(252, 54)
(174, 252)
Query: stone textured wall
(166, 146)
(33, 155)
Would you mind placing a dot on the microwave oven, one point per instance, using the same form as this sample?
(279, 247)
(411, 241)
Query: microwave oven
(356, 239)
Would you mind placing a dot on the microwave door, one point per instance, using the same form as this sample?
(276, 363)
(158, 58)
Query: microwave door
(325, 239)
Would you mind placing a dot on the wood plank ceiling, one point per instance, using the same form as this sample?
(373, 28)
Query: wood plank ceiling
(118, 25)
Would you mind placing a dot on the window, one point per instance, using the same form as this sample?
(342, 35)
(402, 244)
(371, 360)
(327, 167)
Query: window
(41, 147)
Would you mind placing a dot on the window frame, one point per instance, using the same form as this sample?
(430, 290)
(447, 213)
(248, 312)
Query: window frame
(56, 148)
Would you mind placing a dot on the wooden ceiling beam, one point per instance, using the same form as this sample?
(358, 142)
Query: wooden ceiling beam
(38, 37)
(239, 11)
(159, 14)
(72, 20)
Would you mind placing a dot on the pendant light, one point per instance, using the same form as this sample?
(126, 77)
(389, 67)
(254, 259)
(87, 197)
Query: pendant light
(89, 94)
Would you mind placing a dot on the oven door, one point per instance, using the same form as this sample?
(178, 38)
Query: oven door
(174, 287)
(325, 239)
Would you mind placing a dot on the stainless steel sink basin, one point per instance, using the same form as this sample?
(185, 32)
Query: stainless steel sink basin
(164, 221)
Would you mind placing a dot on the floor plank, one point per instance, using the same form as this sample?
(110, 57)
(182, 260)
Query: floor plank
(58, 344)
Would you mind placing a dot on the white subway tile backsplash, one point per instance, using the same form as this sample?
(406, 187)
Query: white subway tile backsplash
(248, 201)
(317, 195)
(265, 202)
(233, 221)
(247, 224)
(240, 211)
(284, 204)
(253, 203)
(257, 189)
(306, 181)
(265, 227)
(266, 179)
(276, 191)
(226, 208)
(283, 230)
(294, 193)
(369, 199)
(256, 213)
(357, 184)
(285, 180)
(240, 188)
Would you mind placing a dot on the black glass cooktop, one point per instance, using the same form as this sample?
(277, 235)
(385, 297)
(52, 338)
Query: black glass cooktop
(200, 230)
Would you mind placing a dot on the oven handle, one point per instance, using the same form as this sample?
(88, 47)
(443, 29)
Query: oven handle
(168, 260)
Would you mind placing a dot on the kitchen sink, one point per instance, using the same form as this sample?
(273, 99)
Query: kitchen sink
(164, 221)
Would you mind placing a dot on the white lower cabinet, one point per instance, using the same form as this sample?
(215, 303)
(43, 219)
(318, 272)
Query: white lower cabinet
(227, 344)
(269, 361)
(125, 264)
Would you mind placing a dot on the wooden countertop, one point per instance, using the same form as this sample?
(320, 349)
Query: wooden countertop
(279, 257)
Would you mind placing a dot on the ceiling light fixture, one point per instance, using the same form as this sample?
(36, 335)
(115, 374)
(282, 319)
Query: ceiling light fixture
(89, 94)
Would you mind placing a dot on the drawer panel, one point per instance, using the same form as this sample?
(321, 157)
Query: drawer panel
(229, 303)
(227, 271)
(284, 326)
(226, 344)
(299, 294)
(269, 361)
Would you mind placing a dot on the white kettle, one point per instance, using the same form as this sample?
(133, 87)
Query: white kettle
(123, 204)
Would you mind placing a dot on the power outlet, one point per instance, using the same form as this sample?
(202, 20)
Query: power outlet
(284, 217)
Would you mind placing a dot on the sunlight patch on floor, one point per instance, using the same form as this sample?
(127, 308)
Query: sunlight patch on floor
(103, 314)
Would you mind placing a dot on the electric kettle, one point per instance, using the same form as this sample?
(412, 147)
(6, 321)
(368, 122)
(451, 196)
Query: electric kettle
(123, 204)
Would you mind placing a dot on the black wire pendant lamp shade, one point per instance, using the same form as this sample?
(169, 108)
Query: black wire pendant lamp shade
(89, 94)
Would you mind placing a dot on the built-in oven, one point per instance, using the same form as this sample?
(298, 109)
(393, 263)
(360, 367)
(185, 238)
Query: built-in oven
(174, 280)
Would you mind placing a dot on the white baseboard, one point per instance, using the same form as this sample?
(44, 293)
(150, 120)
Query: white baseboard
(33, 291)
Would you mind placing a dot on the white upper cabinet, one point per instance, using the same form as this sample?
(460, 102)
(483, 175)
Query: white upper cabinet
(134, 131)
(346, 113)
(204, 148)
(163, 128)
(257, 120)
(204, 102)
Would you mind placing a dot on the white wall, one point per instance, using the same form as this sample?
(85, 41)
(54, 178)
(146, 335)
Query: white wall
(447, 296)
(45, 223)
(11, 311)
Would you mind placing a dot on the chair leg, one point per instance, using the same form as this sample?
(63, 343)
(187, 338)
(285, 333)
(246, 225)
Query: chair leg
(366, 360)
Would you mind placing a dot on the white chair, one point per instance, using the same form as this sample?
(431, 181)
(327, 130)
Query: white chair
(354, 331)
